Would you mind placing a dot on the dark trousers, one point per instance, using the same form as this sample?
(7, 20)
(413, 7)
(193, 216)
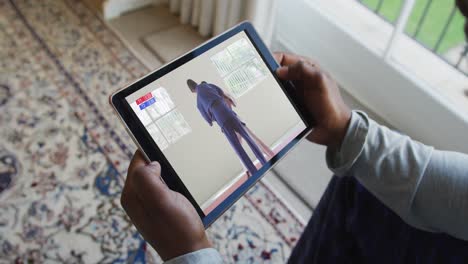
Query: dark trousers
(230, 128)
(350, 225)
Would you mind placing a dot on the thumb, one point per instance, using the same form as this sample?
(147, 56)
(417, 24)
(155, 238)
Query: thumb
(154, 167)
(148, 185)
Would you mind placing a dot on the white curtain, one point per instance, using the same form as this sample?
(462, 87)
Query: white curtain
(212, 17)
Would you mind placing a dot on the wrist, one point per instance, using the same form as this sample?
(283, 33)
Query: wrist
(186, 249)
(339, 131)
(201, 244)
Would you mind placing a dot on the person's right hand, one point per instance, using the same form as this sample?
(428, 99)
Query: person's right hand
(321, 97)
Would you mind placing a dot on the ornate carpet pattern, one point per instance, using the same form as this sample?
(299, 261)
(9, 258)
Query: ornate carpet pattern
(64, 154)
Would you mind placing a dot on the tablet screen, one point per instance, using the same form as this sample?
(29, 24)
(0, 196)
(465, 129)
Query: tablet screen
(218, 118)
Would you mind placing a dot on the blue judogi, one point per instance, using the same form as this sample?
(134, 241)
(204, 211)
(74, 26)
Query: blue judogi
(211, 104)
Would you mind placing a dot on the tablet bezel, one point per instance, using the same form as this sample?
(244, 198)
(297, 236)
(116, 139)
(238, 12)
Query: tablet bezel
(145, 143)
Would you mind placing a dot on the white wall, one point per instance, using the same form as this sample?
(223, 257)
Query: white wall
(405, 102)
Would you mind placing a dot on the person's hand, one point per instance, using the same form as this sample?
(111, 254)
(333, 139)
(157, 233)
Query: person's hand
(320, 95)
(166, 219)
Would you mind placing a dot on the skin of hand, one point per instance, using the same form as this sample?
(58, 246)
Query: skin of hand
(321, 98)
(166, 219)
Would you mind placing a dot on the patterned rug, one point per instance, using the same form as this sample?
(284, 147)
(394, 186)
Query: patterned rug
(64, 154)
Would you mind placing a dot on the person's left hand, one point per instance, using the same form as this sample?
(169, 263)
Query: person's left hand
(166, 219)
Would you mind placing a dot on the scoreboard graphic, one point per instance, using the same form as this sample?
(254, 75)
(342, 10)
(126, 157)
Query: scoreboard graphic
(158, 113)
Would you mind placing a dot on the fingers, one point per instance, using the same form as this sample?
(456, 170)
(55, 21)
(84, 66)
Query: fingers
(298, 71)
(149, 186)
(138, 160)
(144, 180)
(278, 56)
(285, 59)
(144, 193)
(295, 67)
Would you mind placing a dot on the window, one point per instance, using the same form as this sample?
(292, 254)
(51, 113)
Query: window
(239, 66)
(436, 25)
(159, 115)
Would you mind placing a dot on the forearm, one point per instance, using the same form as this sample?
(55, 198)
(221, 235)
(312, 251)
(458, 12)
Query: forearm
(441, 201)
(388, 164)
(393, 167)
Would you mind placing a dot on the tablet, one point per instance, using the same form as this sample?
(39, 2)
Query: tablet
(216, 119)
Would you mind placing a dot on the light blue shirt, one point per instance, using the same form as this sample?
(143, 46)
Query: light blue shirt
(427, 188)
(205, 256)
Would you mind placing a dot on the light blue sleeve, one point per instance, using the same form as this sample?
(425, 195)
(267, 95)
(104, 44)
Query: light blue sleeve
(427, 188)
(441, 201)
(205, 256)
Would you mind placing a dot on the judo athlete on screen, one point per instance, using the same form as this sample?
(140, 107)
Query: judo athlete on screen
(212, 104)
